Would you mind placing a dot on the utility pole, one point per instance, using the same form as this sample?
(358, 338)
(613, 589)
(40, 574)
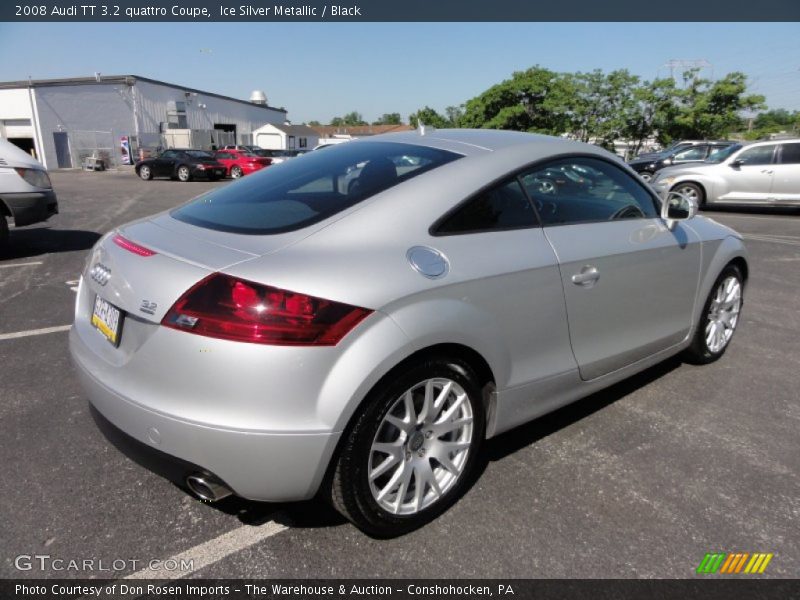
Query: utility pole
(686, 64)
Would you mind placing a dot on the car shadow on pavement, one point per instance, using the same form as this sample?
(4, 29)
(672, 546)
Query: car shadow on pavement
(520, 437)
(27, 243)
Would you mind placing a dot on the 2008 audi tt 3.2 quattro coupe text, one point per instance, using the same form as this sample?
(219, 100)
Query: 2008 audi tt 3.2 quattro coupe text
(356, 322)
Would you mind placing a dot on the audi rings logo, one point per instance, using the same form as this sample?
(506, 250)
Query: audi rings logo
(100, 273)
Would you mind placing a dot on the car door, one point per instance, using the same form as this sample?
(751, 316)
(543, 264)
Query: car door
(786, 177)
(165, 164)
(748, 175)
(629, 282)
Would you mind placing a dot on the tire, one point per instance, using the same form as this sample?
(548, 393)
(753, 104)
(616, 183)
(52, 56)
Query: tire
(3, 230)
(692, 190)
(145, 172)
(722, 307)
(184, 173)
(388, 441)
(647, 176)
(236, 172)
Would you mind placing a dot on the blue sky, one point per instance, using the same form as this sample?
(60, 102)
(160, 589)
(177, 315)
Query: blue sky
(321, 70)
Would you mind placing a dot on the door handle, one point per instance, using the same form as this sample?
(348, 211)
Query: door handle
(767, 171)
(587, 276)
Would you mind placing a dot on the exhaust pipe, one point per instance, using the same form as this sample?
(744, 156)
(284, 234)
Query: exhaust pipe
(207, 488)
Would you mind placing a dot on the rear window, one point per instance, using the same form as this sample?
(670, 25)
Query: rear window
(298, 193)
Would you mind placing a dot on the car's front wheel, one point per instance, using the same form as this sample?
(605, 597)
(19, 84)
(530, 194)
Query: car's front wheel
(693, 191)
(719, 318)
(411, 450)
(236, 172)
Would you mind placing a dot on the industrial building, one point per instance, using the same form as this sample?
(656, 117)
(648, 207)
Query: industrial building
(65, 122)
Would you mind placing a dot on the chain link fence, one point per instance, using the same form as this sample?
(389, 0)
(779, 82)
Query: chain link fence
(88, 148)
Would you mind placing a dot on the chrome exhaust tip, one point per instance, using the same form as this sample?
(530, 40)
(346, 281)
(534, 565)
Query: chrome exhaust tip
(207, 488)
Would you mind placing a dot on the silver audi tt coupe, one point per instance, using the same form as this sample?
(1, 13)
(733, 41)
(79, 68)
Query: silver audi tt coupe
(355, 322)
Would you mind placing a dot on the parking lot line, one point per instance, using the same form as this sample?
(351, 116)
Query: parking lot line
(772, 239)
(30, 332)
(27, 264)
(212, 551)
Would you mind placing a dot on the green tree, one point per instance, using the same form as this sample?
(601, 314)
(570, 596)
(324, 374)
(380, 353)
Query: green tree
(710, 109)
(351, 118)
(536, 100)
(429, 117)
(314, 123)
(389, 119)
(653, 106)
(455, 114)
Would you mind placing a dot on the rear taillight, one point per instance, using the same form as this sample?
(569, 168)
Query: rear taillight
(225, 307)
(130, 246)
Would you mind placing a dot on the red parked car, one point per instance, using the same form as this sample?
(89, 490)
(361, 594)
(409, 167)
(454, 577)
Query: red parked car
(239, 163)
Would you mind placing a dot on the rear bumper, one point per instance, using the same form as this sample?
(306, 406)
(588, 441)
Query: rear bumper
(264, 466)
(31, 207)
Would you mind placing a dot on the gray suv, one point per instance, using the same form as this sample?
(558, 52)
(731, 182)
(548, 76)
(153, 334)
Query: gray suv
(758, 174)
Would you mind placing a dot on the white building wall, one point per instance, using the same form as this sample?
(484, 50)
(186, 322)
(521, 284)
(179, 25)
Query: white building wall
(15, 104)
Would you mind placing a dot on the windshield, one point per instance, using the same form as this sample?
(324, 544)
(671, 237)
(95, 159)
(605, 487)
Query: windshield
(299, 193)
(719, 155)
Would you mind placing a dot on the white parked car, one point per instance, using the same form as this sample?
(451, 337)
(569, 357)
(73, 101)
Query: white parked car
(26, 194)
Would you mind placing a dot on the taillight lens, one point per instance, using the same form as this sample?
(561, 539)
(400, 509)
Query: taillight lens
(225, 307)
(35, 177)
(130, 246)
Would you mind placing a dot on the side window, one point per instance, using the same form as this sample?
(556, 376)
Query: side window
(693, 153)
(169, 154)
(502, 207)
(584, 190)
(790, 154)
(760, 155)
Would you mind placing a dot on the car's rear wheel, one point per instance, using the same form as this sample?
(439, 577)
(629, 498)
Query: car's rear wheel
(184, 173)
(719, 318)
(145, 173)
(236, 172)
(693, 191)
(411, 450)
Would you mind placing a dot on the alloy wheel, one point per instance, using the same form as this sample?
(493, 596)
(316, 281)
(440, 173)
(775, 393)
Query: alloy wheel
(723, 314)
(421, 447)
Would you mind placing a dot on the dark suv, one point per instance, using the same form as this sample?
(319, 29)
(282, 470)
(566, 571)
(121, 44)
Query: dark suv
(696, 151)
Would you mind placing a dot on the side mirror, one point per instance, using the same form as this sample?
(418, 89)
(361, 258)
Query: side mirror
(735, 164)
(678, 207)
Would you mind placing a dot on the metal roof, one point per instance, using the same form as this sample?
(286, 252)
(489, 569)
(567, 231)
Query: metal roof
(121, 80)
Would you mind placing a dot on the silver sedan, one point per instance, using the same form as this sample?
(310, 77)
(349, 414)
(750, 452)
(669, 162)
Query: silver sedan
(304, 331)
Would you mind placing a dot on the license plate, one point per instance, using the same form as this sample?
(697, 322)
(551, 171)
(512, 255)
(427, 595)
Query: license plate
(107, 319)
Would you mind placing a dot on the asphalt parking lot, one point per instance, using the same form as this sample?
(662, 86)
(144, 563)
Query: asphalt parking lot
(640, 480)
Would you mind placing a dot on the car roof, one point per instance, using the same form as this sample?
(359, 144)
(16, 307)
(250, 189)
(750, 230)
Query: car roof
(469, 142)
